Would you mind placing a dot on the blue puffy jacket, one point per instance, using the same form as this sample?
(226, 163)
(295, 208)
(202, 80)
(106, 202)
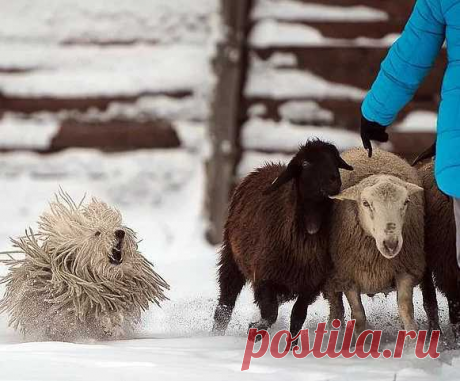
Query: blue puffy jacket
(408, 62)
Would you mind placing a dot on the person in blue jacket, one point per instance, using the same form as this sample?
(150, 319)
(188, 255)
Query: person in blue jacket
(409, 60)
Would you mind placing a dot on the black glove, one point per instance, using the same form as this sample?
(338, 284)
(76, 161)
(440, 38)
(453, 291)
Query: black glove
(372, 131)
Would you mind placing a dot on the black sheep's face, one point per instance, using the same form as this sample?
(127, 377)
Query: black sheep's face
(315, 169)
(320, 178)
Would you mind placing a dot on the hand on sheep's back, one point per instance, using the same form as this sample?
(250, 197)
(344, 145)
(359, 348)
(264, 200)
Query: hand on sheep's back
(81, 277)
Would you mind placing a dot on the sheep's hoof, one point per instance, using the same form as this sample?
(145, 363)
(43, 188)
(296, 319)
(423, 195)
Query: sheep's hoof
(453, 345)
(257, 336)
(456, 332)
(294, 344)
(434, 327)
(217, 331)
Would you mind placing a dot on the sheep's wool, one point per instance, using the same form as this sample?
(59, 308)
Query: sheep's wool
(68, 287)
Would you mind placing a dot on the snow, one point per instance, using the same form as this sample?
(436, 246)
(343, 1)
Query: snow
(384, 42)
(257, 110)
(305, 112)
(37, 132)
(269, 33)
(193, 136)
(300, 11)
(161, 21)
(272, 33)
(278, 59)
(193, 108)
(287, 83)
(252, 159)
(84, 49)
(265, 80)
(88, 71)
(418, 121)
(161, 194)
(267, 135)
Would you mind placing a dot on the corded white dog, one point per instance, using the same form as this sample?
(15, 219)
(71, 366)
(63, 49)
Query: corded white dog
(82, 276)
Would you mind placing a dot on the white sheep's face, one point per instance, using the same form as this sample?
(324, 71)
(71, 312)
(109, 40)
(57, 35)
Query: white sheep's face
(382, 202)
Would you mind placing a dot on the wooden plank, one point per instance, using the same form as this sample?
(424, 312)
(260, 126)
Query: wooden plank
(229, 66)
(29, 105)
(405, 144)
(115, 135)
(396, 9)
(346, 112)
(350, 30)
(355, 66)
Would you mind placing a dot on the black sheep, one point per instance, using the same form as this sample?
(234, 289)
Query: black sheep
(276, 235)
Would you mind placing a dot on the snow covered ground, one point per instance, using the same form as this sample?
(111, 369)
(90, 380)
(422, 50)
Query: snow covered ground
(161, 195)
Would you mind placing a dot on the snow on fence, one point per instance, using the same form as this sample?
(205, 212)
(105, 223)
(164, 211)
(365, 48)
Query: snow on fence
(111, 76)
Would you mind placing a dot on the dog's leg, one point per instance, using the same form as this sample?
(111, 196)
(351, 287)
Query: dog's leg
(112, 325)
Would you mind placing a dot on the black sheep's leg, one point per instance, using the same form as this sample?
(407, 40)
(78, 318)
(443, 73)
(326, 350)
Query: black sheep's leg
(299, 313)
(231, 282)
(430, 304)
(266, 298)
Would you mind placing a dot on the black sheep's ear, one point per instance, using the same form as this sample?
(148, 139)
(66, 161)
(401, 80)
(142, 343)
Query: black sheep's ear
(343, 164)
(292, 171)
(340, 162)
(427, 154)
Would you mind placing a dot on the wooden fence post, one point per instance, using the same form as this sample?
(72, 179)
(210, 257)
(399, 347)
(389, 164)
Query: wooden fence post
(229, 68)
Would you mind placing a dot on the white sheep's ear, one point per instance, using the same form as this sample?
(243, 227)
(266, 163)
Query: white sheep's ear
(412, 188)
(351, 193)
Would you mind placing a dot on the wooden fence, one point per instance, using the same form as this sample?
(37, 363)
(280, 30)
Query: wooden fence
(302, 65)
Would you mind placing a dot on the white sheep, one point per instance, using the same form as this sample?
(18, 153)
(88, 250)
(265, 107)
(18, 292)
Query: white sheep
(377, 235)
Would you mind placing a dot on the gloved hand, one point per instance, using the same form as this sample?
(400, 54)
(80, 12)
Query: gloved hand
(372, 131)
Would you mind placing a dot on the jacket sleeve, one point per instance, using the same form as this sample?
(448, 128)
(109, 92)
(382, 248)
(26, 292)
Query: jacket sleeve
(408, 62)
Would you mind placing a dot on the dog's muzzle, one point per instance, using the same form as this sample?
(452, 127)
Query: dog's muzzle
(116, 257)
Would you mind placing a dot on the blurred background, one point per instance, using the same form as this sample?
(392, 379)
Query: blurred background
(160, 106)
